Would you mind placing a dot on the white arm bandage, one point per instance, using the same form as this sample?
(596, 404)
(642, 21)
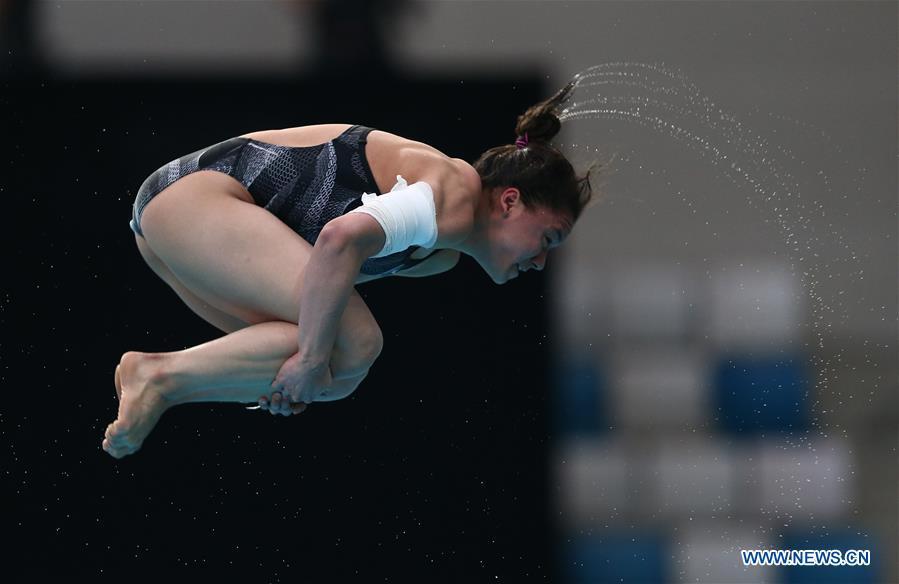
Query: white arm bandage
(407, 215)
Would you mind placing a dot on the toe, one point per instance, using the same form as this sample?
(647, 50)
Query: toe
(111, 450)
(118, 381)
(116, 437)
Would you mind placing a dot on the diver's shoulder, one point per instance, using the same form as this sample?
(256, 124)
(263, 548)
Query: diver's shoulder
(455, 184)
(468, 178)
(456, 198)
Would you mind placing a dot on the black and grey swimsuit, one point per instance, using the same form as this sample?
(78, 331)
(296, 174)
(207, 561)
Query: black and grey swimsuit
(305, 187)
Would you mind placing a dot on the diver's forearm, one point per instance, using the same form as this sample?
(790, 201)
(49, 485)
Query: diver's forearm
(327, 283)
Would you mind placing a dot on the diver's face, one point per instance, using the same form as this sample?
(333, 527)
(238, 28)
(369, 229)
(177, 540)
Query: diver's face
(523, 238)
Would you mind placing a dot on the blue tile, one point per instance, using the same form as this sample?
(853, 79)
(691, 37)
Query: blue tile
(577, 398)
(758, 394)
(832, 540)
(597, 559)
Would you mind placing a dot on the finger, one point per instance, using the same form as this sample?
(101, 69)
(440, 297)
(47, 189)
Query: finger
(275, 406)
(297, 407)
(285, 406)
(263, 402)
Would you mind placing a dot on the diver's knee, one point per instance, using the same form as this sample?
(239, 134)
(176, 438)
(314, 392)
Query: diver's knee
(359, 357)
(341, 388)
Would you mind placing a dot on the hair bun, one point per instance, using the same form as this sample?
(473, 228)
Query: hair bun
(541, 121)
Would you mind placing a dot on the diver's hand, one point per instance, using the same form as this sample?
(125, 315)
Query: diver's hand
(303, 380)
(279, 405)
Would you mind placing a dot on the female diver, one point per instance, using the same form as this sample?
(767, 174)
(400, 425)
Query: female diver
(265, 235)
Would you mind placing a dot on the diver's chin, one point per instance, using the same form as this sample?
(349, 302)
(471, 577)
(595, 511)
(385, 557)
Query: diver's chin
(506, 276)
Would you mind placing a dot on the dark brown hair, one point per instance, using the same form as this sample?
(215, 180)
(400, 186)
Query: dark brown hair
(545, 178)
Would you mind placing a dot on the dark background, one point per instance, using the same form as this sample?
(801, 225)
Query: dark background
(434, 470)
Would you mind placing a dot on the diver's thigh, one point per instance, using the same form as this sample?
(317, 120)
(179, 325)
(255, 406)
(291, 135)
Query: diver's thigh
(217, 318)
(230, 252)
(241, 259)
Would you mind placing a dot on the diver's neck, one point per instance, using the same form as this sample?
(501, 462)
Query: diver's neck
(475, 244)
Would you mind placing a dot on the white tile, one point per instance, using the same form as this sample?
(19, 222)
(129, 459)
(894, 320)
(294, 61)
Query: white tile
(690, 477)
(651, 301)
(746, 489)
(591, 480)
(580, 305)
(659, 388)
(710, 552)
(805, 482)
(754, 304)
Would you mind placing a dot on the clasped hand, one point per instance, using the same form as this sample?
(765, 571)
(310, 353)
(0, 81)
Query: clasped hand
(297, 384)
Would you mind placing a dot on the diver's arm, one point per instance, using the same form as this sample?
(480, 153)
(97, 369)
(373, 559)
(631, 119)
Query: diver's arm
(338, 254)
(441, 261)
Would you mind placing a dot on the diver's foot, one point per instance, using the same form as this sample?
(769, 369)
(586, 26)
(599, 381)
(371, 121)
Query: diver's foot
(141, 404)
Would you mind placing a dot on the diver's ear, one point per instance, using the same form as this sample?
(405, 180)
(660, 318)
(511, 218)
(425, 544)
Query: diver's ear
(508, 198)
